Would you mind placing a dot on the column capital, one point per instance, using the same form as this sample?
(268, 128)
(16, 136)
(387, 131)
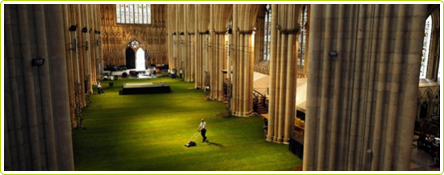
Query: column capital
(222, 32)
(290, 31)
(245, 31)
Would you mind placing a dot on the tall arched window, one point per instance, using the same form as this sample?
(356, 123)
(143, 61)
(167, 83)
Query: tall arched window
(302, 37)
(426, 47)
(133, 13)
(439, 70)
(267, 33)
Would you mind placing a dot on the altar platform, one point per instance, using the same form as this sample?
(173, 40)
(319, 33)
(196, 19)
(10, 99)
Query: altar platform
(145, 88)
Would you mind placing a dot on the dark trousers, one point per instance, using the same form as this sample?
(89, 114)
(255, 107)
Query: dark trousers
(100, 90)
(203, 131)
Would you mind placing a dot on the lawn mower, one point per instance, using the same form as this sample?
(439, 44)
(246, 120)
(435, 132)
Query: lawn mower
(192, 142)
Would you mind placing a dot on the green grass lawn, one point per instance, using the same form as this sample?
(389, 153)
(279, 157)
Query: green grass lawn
(148, 133)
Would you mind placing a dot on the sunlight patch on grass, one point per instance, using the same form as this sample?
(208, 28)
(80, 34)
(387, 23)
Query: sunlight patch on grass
(148, 133)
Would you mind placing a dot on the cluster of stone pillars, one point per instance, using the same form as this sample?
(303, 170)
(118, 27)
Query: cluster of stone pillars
(35, 111)
(283, 70)
(197, 44)
(209, 25)
(201, 52)
(242, 58)
(361, 102)
(83, 54)
(218, 49)
(39, 118)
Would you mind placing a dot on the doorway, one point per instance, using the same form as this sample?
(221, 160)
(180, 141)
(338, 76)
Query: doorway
(140, 60)
(135, 56)
(130, 58)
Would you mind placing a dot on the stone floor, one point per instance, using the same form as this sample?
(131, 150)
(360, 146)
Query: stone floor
(421, 160)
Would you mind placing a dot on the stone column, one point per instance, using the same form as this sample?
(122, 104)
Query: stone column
(69, 39)
(14, 118)
(81, 51)
(29, 74)
(324, 92)
(99, 39)
(234, 63)
(290, 89)
(283, 73)
(7, 155)
(221, 60)
(199, 62)
(281, 87)
(45, 88)
(337, 96)
(193, 43)
(196, 71)
(185, 44)
(192, 68)
(247, 78)
(311, 123)
(242, 74)
(216, 87)
(170, 19)
(410, 92)
(32, 136)
(211, 45)
(59, 84)
(370, 129)
(394, 87)
(380, 94)
(273, 72)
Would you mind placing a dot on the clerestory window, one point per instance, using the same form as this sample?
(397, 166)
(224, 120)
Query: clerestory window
(426, 47)
(133, 13)
(267, 33)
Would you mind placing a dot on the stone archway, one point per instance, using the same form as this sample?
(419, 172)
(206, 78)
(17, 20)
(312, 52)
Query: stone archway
(140, 59)
(130, 56)
(135, 54)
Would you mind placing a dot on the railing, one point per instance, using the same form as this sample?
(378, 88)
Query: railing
(259, 100)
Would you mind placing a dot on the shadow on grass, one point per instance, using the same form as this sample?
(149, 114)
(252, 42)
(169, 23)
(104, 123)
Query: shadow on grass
(214, 144)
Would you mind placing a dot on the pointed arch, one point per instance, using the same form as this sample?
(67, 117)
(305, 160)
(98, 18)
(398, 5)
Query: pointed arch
(428, 94)
(142, 42)
(140, 59)
(419, 95)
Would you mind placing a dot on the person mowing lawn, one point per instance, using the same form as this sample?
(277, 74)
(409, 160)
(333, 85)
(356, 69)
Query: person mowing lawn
(203, 129)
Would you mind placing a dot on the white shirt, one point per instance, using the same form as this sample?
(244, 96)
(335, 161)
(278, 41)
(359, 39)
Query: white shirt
(203, 125)
(99, 85)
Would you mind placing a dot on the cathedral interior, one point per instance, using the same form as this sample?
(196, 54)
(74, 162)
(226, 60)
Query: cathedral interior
(283, 87)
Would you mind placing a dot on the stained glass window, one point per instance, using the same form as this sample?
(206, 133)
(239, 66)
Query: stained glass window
(133, 13)
(139, 9)
(136, 13)
(122, 13)
(439, 70)
(425, 48)
(267, 33)
(134, 44)
(127, 13)
(148, 12)
(145, 21)
(302, 37)
(118, 13)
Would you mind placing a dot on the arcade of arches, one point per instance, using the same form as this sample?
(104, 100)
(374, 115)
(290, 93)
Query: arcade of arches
(362, 63)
